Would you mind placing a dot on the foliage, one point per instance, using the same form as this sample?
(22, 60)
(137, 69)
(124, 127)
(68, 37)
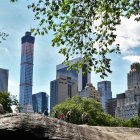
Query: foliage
(135, 122)
(13, 0)
(16, 103)
(6, 101)
(79, 105)
(84, 27)
(3, 36)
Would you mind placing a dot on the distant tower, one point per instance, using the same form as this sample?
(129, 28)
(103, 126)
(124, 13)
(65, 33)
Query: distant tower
(26, 72)
(4, 79)
(40, 102)
(133, 77)
(104, 88)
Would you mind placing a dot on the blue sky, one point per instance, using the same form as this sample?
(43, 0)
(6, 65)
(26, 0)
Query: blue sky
(16, 19)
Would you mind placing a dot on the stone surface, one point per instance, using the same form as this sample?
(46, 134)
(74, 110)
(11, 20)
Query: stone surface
(1, 109)
(36, 126)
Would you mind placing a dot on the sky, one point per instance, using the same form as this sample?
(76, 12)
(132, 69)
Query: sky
(16, 19)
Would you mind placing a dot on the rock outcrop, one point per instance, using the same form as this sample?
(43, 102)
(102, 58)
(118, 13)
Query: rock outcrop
(1, 109)
(36, 126)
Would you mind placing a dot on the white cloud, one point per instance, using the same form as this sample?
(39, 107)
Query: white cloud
(132, 58)
(3, 50)
(128, 34)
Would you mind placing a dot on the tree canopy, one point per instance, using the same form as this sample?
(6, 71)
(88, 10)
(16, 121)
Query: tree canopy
(78, 105)
(84, 28)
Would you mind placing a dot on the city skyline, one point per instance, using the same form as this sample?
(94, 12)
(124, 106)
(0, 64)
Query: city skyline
(17, 23)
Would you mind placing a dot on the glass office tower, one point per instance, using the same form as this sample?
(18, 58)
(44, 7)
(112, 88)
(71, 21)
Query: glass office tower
(82, 80)
(26, 72)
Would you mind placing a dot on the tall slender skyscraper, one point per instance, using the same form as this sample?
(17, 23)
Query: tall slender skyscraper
(26, 72)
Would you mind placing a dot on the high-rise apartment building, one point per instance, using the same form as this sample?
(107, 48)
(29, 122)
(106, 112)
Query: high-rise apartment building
(81, 79)
(60, 89)
(128, 103)
(104, 88)
(40, 102)
(26, 72)
(4, 79)
(133, 77)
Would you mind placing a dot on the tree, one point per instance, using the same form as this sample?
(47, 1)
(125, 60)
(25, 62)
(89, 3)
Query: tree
(135, 122)
(78, 105)
(84, 27)
(6, 101)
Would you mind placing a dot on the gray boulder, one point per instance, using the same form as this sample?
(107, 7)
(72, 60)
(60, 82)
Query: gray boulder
(39, 127)
(1, 109)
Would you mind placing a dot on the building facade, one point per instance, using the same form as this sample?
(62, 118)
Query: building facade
(26, 72)
(4, 73)
(90, 92)
(104, 87)
(80, 78)
(133, 77)
(40, 102)
(128, 103)
(111, 106)
(60, 89)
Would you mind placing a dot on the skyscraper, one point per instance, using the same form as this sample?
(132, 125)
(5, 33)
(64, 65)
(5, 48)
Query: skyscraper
(40, 102)
(68, 83)
(60, 89)
(81, 79)
(4, 79)
(104, 88)
(133, 77)
(128, 103)
(26, 72)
